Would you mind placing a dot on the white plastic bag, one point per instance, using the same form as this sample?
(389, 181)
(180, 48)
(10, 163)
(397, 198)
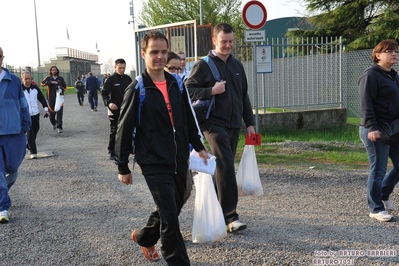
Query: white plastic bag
(197, 163)
(248, 181)
(208, 223)
(59, 100)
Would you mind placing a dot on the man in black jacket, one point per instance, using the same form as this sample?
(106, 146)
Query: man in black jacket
(222, 129)
(112, 94)
(163, 133)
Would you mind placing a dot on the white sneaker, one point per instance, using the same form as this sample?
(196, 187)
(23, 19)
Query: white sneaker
(236, 226)
(388, 205)
(33, 156)
(4, 217)
(381, 216)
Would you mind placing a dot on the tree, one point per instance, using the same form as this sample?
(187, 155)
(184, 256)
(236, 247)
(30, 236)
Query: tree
(360, 22)
(109, 66)
(159, 12)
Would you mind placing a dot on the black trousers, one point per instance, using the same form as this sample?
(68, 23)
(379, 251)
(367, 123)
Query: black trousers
(223, 142)
(32, 133)
(81, 97)
(113, 123)
(168, 192)
(53, 115)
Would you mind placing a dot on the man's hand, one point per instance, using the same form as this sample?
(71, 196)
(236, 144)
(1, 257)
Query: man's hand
(219, 87)
(113, 106)
(204, 154)
(125, 179)
(250, 130)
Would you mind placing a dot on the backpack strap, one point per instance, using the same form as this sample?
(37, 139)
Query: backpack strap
(140, 86)
(216, 75)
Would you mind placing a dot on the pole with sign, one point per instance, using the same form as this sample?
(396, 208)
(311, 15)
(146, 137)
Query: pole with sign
(254, 15)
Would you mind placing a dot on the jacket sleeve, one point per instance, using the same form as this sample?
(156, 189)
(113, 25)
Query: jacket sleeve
(63, 84)
(126, 124)
(200, 82)
(368, 90)
(25, 116)
(247, 114)
(45, 81)
(41, 99)
(106, 91)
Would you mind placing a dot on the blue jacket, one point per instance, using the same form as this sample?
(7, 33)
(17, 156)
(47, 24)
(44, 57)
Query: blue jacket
(92, 84)
(14, 109)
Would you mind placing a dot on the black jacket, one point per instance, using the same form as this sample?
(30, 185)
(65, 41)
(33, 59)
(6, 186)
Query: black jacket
(159, 147)
(231, 106)
(379, 96)
(114, 89)
(53, 88)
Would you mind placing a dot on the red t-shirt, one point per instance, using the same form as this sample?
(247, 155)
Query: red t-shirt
(164, 89)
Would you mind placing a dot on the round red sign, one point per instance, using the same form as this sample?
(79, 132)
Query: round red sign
(254, 15)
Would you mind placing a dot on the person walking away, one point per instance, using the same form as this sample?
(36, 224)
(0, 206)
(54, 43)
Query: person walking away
(112, 94)
(14, 123)
(379, 100)
(166, 128)
(222, 129)
(33, 96)
(80, 90)
(92, 90)
(54, 83)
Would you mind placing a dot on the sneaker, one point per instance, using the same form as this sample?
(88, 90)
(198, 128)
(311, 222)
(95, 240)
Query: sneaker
(33, 156)
(59, 130)
(4, 217)
(150, 253)
(381, 216)
(388, 205)
(54, 127)
(236, 226)
(95, 109)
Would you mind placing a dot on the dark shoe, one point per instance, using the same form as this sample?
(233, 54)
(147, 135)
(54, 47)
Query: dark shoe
(54, 127)
(150, 253)
(112, 157)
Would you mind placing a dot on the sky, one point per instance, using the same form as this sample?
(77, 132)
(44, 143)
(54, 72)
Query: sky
(89, 23)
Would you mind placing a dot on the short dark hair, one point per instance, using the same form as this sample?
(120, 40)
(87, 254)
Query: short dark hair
(152, 35)
(382, 47)
(225, 27)
(120, 61)
(172, 55)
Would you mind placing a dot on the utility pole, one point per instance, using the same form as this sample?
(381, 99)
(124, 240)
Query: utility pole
(134, 36)
(37, 38)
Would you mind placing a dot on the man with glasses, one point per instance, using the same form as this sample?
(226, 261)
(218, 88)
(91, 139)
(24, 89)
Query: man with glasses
(184, 72)
(15, 121)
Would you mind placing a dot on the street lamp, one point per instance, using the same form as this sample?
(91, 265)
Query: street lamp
(37, 37)
(134, 36)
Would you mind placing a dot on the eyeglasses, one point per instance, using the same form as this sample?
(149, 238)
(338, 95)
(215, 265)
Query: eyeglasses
(2, 56)
(174, 68)
(391, 51)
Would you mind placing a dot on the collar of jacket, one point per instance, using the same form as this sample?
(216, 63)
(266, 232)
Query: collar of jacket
(147, 81)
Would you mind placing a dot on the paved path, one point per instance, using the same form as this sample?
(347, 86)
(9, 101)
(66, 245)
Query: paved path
(71, 209)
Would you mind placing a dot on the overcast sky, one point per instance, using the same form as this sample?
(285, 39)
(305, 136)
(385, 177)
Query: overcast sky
(89, 22)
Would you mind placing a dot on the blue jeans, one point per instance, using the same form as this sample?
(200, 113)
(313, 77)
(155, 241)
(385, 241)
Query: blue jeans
(93, 99)
(380, 184)
(12, 152)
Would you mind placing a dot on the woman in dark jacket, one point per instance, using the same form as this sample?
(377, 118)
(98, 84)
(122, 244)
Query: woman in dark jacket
(379, 100)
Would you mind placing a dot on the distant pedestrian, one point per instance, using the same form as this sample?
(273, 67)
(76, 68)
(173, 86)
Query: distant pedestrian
(54, 83)
(14, 123)
(112, 94)
(33, 96)
(80, 90)
(92, 89)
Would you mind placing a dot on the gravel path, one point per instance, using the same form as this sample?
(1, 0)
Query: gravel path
(71, 209)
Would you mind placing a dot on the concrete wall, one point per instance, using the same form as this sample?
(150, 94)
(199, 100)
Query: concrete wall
(315, 119)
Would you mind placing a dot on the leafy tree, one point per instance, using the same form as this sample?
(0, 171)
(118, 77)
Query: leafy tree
(361, 23)
(159, 12)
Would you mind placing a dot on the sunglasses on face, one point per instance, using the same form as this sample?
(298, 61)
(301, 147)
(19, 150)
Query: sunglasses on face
(173, 68)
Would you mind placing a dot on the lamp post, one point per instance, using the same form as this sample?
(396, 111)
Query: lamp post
(134, 36)
(37, 37)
